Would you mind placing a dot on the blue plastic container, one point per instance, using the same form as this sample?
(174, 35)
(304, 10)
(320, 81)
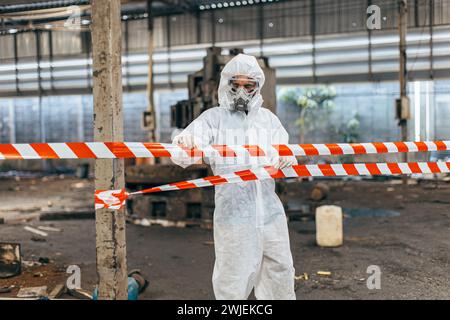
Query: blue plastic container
(133, 290)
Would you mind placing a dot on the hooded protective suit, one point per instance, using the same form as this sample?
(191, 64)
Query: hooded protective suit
(250, 227)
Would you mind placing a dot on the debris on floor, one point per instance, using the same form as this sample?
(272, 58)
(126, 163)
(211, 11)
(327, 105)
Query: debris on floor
(57, 291)
(373, 234)
(320, 192)
(10, 260)
(6, 289)
(79, 294)
(137, 284)
(43, 260)
(36, 231)
(28, 263)
(32, 292)
(46, 228)
(304, 276)
(141, 281)
(162, 222)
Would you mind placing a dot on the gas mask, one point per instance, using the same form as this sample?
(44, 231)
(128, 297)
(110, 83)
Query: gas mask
(242, 90)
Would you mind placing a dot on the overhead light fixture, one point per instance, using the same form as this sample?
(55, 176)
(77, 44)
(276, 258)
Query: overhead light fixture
(226, 4)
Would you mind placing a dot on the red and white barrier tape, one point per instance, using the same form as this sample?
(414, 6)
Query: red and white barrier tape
(111, 150)
(115, 199)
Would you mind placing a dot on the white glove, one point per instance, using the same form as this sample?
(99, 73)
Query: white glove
(186, 141)
(284, 162)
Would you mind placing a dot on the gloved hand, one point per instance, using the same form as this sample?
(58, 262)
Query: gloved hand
(186, 141)
(284, 162)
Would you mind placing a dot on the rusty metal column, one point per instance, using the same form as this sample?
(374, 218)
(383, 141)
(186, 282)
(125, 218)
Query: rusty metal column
(151, 123)
(312, 26)
(108, 126)
(403, 104)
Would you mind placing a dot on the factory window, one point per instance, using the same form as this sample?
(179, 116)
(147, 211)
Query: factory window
(368, 105)
(194, 211)
(158, 209)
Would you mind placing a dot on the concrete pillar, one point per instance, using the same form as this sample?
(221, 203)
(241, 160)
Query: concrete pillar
(108, 126)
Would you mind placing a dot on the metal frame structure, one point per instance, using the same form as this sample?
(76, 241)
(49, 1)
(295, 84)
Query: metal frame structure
(207, 29)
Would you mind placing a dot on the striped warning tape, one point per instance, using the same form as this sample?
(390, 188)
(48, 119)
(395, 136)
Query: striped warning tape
(111, 150)
(115, 199)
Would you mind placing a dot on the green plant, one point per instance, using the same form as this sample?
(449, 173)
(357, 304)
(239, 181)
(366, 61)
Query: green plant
(350, 133)
(315, 103)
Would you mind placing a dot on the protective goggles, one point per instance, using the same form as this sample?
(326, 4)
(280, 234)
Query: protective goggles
(248, 84)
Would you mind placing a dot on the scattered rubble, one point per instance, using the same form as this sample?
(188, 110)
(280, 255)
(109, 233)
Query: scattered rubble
(44, 260)
(79, 294)
(6, 289)
(10, 260)
(57, 291)
(46, 228)
(162, 222)
(32, 292)
(320, 192)
(27, 263)
(304, 276)
(36, 231)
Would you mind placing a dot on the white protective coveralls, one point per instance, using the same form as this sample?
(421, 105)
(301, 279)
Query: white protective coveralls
(250, 227)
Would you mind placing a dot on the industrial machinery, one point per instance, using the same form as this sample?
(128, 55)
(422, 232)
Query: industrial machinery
(196, 206)
(203, 85)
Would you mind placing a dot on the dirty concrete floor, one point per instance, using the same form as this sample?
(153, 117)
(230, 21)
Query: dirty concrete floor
(412, 249)
(49, 193)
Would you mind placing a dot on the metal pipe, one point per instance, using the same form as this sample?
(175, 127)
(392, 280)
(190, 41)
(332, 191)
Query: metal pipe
(313, 38)
(16, 62)
(127, 54)
(369, 47)
(213, 28)
(431, 17)
(169, 62)
(261, 30)
(41, 5)
(403, 72)
(37, 36)
(50, 49)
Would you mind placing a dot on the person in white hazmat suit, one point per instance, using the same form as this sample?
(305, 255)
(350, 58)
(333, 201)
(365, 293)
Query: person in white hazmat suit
(250, 227)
